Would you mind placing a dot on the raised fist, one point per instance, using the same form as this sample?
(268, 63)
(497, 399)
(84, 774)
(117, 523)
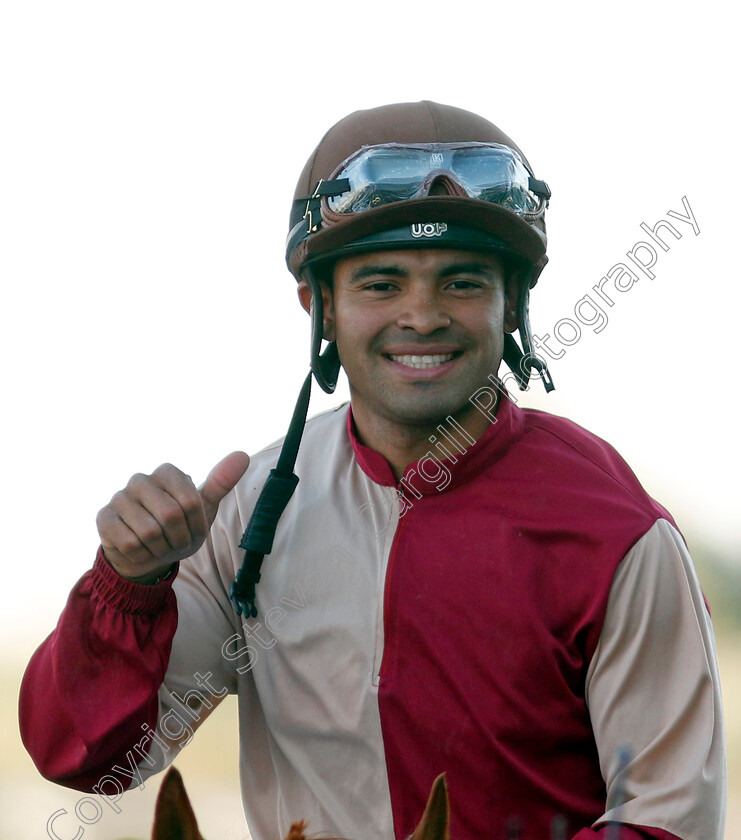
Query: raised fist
(163, 517)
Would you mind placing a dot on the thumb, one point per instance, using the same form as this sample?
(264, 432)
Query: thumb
(221, 480)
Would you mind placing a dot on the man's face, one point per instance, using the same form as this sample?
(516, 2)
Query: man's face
(418, 332)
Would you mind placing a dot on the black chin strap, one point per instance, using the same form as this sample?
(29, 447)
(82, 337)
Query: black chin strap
(257, 540)
(522, 362)
(325, 366)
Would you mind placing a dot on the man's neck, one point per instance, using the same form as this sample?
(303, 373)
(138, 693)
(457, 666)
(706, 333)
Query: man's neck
(405, 444)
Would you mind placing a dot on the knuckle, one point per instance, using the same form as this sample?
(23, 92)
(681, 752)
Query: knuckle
(171, 514)
(191, 504)
(116, 500)
(149, 534)
(179, 541)
(129, 546)
(167, 472)
(136, 481)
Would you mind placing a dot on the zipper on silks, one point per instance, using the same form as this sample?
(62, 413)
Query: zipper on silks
(383, 617)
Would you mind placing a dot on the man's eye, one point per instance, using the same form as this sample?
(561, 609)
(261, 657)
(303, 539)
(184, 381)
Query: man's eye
(380, 286)
(464, 284)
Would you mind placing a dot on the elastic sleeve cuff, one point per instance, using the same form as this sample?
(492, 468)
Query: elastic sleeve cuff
(125, 595)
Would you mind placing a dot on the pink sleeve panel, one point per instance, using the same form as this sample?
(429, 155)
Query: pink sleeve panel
(653, 687)
(76, 719)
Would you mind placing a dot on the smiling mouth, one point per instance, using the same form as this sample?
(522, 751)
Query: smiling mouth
(423, 362)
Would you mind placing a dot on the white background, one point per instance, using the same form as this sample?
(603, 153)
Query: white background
(149, 153)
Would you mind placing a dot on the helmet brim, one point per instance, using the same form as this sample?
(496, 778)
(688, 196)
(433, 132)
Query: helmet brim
(498, 229)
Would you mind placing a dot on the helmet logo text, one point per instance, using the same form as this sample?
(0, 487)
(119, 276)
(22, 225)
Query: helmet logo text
(429, 229)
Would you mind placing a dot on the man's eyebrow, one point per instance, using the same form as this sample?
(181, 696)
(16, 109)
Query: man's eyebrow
(366, 271)
(480, 268)
(476, 267)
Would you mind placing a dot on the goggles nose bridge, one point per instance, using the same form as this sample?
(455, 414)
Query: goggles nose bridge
(442, 182)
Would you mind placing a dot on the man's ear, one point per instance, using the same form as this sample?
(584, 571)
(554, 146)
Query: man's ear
(305, 297)
(511, 298)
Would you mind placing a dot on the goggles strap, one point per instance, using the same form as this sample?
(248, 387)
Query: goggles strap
(312, 212)
(540, 188)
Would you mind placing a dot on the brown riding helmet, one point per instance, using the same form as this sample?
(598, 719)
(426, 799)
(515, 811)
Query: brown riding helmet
(316, 233)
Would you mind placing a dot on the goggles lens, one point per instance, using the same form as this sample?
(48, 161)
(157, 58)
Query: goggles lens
(384, 174)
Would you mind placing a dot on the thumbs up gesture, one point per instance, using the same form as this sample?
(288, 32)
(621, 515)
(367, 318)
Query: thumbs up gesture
(163, 517)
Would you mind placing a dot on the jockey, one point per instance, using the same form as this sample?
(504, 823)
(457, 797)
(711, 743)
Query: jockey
(429, 579)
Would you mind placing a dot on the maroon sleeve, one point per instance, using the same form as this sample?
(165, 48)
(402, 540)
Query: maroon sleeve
(92, 686)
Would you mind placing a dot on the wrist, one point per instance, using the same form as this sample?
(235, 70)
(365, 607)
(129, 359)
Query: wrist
(149, 579)
(153, 580)
(125, 595)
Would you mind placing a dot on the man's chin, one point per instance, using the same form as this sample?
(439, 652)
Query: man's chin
(427, 415)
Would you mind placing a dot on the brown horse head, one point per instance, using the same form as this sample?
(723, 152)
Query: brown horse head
(173, 817)
(435, 822)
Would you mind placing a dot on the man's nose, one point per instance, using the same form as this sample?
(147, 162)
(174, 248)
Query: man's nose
(423, 311)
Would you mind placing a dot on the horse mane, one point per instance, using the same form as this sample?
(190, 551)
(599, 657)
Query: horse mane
(297, 831)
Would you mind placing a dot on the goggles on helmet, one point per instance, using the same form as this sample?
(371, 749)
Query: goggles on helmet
(390, 172)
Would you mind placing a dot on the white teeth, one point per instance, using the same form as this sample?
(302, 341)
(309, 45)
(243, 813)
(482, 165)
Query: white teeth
(422, 362)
